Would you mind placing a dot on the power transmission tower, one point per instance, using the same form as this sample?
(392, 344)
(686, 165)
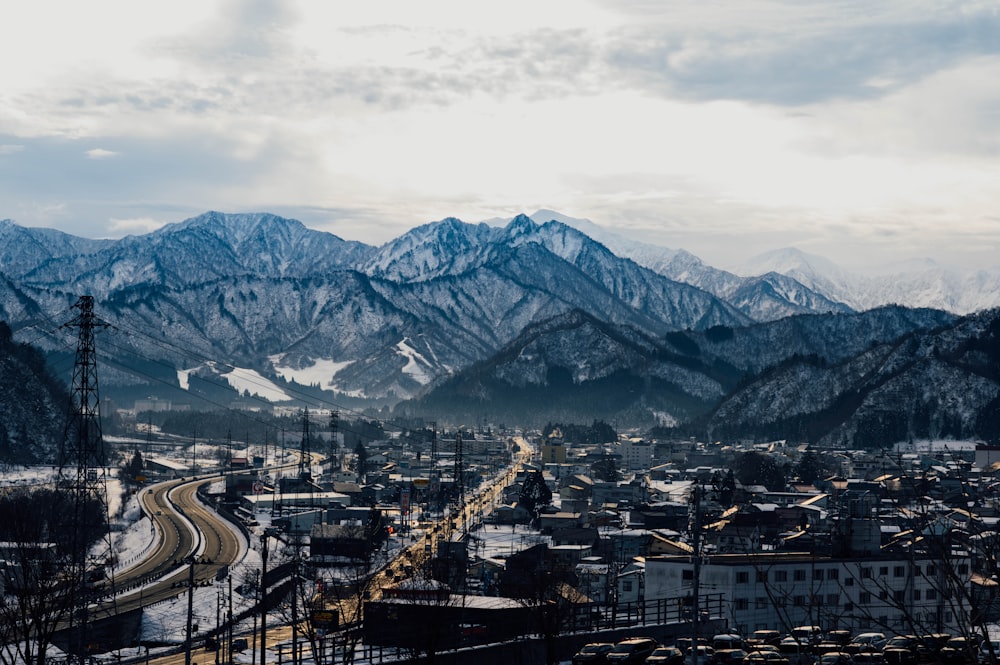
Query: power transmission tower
(83, 448)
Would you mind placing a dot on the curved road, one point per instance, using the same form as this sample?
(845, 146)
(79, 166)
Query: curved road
(184, 527)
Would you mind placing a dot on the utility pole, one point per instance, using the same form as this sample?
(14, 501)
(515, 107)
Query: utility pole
(263, 597)
(190, 611)
(696, 577)
(459, 474)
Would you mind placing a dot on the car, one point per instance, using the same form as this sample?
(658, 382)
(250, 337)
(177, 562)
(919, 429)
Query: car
(959, 651)
(835, 658)
(899, 656)
(759, 637)
(702, 653)
(593, 653)
(909, 642)
(797, 652)
(727, 641)
(873, 640)
(729, 657)
(765, 657)
(632, 650)
(666, 656)
(868, 658)
(807, 634)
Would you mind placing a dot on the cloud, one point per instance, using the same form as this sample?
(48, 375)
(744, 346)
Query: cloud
(100, 153)
(10, 148)
(800, 53)
(139, 225)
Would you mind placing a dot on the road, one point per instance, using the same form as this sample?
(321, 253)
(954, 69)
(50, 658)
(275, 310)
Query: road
(184, 526)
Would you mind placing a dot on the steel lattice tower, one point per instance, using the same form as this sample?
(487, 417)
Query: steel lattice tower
(83, 448)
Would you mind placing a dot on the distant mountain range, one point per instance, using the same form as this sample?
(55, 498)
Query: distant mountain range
(540, 316)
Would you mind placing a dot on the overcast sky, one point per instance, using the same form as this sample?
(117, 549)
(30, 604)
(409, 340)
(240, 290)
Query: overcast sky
(861, 131)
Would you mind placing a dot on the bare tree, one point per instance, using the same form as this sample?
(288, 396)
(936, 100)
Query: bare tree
(38, 591)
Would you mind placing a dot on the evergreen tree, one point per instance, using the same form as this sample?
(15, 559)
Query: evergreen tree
(534, 494)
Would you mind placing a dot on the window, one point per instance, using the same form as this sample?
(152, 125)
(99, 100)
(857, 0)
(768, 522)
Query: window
(866, 572)
(932, 594)
(762, 577)
(899, 595)
(800, 575)
(848, 606)
(688, 575)
(916, 594)
(864, 598)
(742, 577)
(799, 601)
(832, 598)
(781, 576)
(883, 571)
(931, 570)
(898, 571)
(849, 581)
(883, 594)
(741, 603)
(833, 574)
(963, 569)
(760, 603)
(818, 574)
(627, 585)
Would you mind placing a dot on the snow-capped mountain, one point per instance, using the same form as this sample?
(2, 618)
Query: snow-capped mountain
(269, 295)
(529, 316)
(914, 284)
(767, 296)
(630, 376)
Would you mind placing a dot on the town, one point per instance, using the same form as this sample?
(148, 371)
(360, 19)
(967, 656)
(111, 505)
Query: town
(503, 545)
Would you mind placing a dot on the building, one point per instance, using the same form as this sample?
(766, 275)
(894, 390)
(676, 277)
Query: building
(776, 590)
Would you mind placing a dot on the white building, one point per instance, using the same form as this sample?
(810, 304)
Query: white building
(781, 590)
(637, 454)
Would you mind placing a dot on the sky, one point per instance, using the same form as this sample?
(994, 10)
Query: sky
(866, 132)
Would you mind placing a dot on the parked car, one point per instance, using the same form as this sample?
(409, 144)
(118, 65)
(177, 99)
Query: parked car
(705, 655)
(960, 651)
(595, 653)
(727, 641)
(868, 658)
(835, 658)
(728, 657)
(632, 650)
(873, 640)
(666, 656)
(797, 652)
(807, 634)
(901, 642)
(764, 637)
(840, 637)
(765, 657)
(899, 656)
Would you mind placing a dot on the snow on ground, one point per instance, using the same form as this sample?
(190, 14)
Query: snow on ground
(320, 373)
(253, 382)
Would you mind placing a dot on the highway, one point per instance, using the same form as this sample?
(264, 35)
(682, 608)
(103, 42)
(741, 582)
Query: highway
(184, 527)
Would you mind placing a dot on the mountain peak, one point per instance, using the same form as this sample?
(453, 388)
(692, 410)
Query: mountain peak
(787, 260)
(521, 225)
